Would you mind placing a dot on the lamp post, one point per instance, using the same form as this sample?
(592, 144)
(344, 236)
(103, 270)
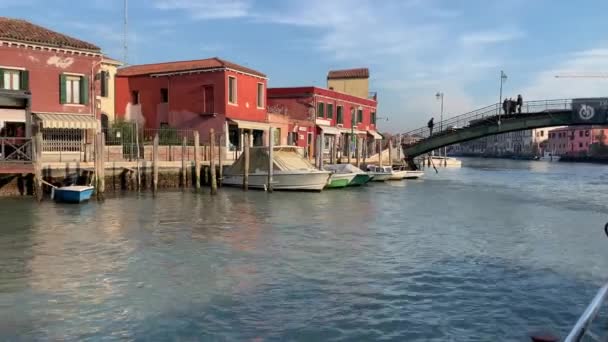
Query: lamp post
(439, 96)
(503, 78)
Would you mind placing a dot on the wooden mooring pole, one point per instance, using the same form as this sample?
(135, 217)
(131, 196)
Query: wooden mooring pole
(390, 152)
(155, 165)
(184, 178)
(220, 176)
(246, 164)
(270, 158)
(37, 154)
(212, 161)
(197, 166)
(100, 177)
(358, 152)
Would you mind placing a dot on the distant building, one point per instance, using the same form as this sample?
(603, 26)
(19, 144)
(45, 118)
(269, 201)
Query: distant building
(576, 140)
(350, 81)
(199, 95)
(106, 79)
(525, 143)
(313, 110)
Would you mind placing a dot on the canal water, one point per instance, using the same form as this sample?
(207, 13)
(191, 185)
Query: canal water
(492, 251)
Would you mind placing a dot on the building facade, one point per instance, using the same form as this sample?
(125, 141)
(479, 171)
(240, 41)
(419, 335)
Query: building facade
(314, 111)
(196, 95)
(105, 81)
(576, 140)
(350, 81)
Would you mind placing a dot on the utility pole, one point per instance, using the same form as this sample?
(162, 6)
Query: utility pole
(439, 96)
(503, 78)
(125, 34)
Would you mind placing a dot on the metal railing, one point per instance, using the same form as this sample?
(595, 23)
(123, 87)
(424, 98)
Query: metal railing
(582, 328)
(486, 115)
(16, 149)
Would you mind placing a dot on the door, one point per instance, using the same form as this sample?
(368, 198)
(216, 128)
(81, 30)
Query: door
(208, 100)
(309, 145)
(277, 137)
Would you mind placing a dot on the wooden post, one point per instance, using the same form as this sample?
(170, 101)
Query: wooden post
(390, 152)
(212, 161)
(184, 162)
(197, 171)
(220, 176)
(358, 152)
(348, 143)
(37, 155)
(155, 165)
(246, 164)
(379, 148)
(101, 169)
(137, 156)
(270, 159)
(321, 147)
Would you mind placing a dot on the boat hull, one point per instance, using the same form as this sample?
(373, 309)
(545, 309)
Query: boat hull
(360, 179)
(380, 177)
(75, 194)
(398, 175)
(340, 180)
(413, 174)
(312, 181)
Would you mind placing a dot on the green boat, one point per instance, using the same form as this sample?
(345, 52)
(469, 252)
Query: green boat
(339, 180)
(346, 171)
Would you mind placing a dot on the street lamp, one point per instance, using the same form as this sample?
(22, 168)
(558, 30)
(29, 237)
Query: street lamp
(503, 78)
(439, 96)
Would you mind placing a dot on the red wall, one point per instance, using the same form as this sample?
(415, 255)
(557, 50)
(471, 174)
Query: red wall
(44, 68)
(185, 107)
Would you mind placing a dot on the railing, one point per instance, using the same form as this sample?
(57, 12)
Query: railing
(583, 326)
(15, 149)
(486, 115)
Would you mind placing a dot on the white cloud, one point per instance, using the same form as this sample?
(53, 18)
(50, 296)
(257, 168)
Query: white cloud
(586, 63)
(208, 9)
(491, 37)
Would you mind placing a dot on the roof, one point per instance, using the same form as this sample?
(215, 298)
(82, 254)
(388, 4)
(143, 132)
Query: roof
(23, 31)
(295, 92)
(110, 60)
(348, 73)
(180, 66)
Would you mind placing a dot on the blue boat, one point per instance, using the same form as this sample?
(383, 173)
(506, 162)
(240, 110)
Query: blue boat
(73, 193)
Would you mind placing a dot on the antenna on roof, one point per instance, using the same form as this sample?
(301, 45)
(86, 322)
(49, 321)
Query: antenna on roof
(125, 36)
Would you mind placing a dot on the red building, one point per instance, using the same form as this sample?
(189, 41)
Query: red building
(200, 95)
(576, 140)
(56, 69)
(314, 110)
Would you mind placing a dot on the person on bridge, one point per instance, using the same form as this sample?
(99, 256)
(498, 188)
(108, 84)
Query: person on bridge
(505, 105)
(520, 102)
(512, 106)
(431, 124)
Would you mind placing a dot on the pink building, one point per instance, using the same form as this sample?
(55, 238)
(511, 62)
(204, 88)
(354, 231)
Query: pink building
(575, 140)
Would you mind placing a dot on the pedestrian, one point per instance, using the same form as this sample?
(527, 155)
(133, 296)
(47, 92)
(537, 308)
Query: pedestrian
(520, 102)
(511, 106)
(430, 124)
(505, 105)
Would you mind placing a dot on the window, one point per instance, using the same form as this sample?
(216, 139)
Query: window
(135, 97)
(103, 83)
(164, 95)
(292, 138)
(340, 115)
(580, 144)
(73, 89)
(232, 89)
(580, 134)
(373, 118)
(164, 125)
(542, 133)
(359, 115)
(14, 79)
(321, 110)
(260, 95)
(330, 111)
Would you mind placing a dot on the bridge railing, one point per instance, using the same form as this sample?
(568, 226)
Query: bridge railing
(15, 149)
(486, 115)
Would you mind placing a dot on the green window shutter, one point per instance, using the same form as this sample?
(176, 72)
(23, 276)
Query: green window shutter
(359, 116)
(321, 110)
(373, 118)
(1, 78)
(62, 89)
(24, 81)
(84, 90)
(103, 81)
(339, 118)
(330, 111)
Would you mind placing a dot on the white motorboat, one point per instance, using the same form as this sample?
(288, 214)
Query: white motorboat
(290, 171)
(379, 173)
(549, 156)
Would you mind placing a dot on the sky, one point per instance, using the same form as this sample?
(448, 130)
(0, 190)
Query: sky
(413, 48)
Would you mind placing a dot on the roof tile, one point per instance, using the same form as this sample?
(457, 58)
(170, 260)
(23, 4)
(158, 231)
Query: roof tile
(179, 66)
(24, 31)
(348, 73)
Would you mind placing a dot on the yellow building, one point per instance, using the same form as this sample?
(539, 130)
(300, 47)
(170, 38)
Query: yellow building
(350, 81)
(106, 94)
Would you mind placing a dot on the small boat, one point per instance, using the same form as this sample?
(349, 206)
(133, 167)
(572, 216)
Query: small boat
(548, 156)
(360, 177)
(440, 161)
(72, 193)
(291, 171)
(379, 174)
(340, 180)
(407, 174)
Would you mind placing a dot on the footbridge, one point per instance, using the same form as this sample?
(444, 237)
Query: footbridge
(491, 121)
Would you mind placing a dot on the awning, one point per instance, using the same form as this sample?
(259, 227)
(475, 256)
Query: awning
(329, 130)
(61, 120)
(349, 131)
(375, 135)
(12, 115)
(261, 126)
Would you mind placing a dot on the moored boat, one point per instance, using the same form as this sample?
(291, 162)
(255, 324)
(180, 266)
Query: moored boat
(72, 193)
(291, 171)
(340, 180)
(359, 176)
(379, 174)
